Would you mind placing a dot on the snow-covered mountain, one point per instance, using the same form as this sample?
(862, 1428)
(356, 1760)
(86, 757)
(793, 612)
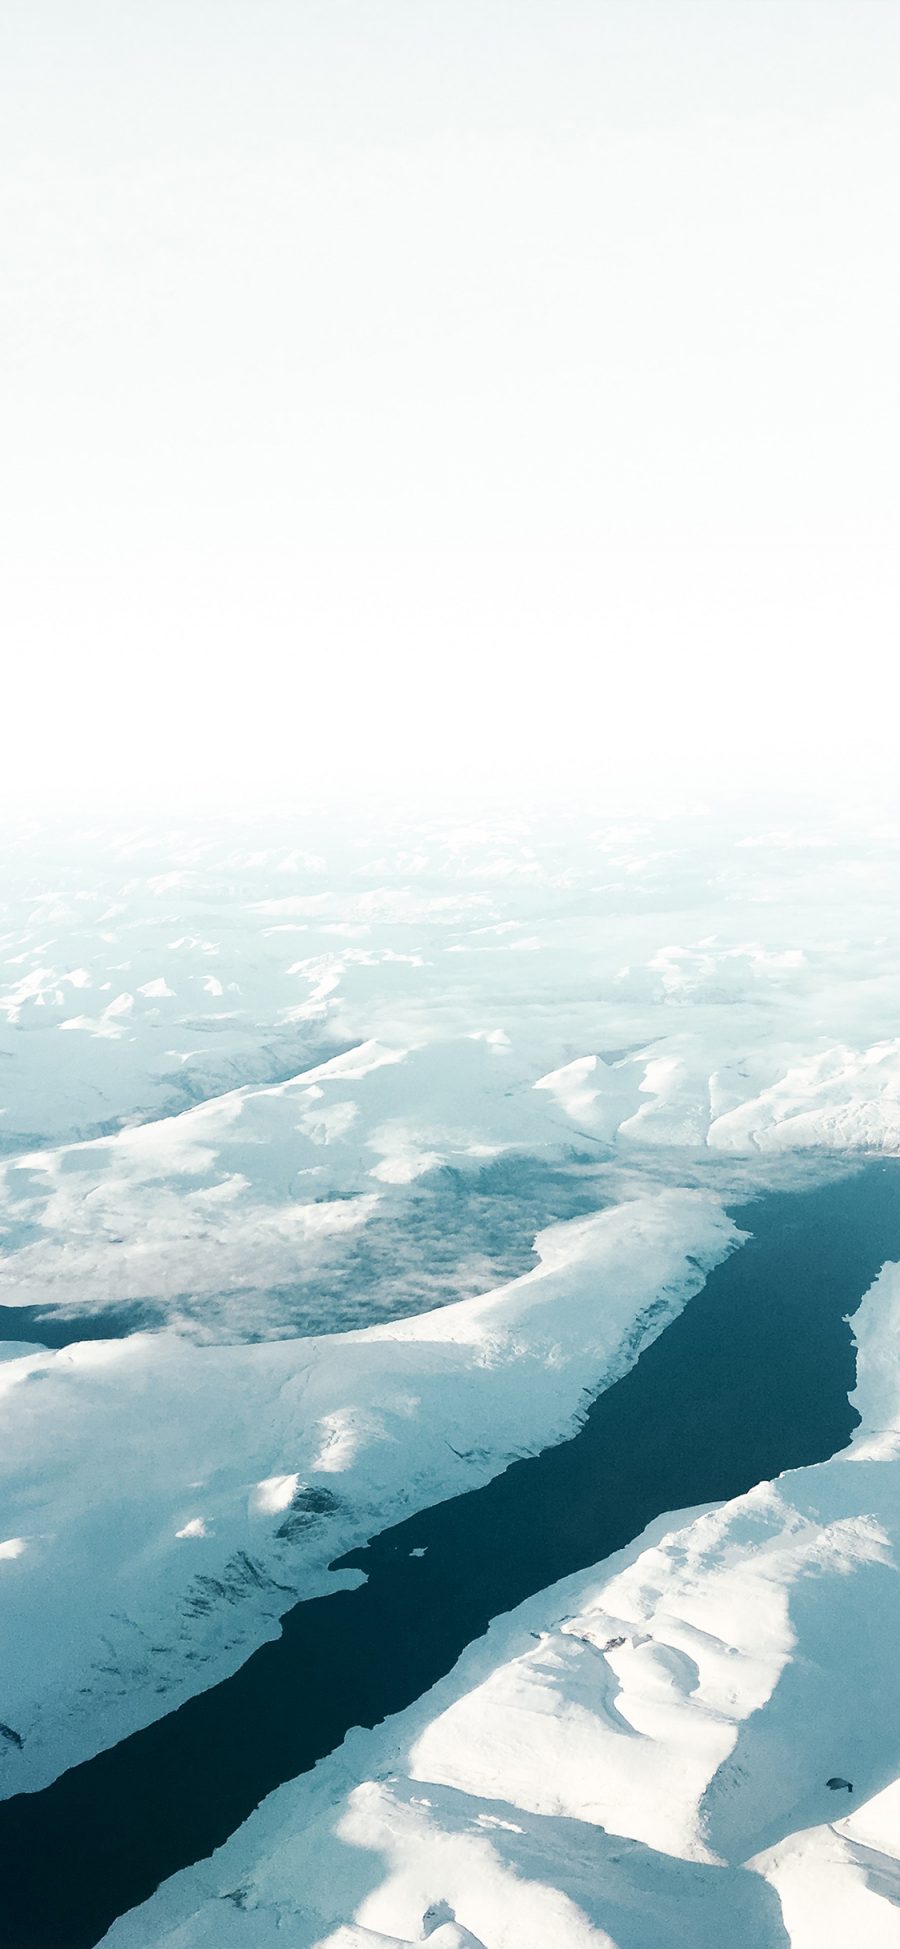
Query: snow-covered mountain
(339, 1170)
(653, 1753)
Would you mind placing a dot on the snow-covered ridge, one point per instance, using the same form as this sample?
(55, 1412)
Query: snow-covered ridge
(836, 1098)
(208, 1199)
(152, 1460)
(687, 941)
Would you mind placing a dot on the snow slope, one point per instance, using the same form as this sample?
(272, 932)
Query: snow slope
(172, 1500)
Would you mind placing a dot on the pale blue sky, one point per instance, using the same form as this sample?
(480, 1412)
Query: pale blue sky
(497, 388)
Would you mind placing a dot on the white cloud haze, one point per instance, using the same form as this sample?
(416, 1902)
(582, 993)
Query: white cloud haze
(476, 393)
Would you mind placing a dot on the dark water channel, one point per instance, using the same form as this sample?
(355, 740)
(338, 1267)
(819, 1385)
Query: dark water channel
(752, 1378)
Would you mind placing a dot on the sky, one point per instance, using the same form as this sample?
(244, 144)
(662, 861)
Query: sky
(485, 393)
